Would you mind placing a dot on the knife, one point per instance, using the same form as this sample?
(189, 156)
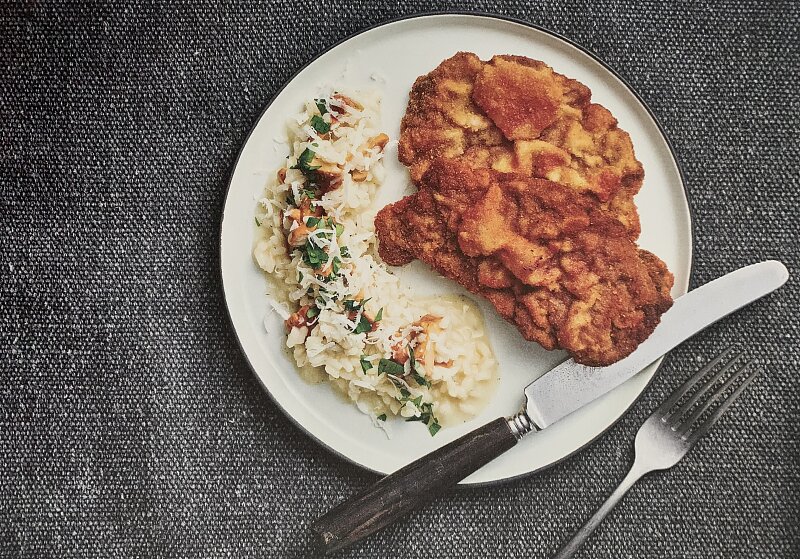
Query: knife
(558, 393)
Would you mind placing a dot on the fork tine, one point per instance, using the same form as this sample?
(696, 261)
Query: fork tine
(676, 415)
(703, 429)
(664, 409)
(686, 425)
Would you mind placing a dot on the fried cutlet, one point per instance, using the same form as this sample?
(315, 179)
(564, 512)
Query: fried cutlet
(516, 115)
(550, 259)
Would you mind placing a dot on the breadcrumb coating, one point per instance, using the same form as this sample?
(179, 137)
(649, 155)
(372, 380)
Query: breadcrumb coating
(526, 197)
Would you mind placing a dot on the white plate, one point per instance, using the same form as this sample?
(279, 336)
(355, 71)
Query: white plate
(396, 53)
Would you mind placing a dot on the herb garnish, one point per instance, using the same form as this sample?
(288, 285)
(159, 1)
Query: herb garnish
(354, 305)
(415, 374)
(382, 417)
(427, 417)
(365, 365)
(364, 325)
(258, 223)
(419, 379)
(313, 255)
(379, 316)
(322, 107)
(320, 125)
(401, 387)
(392, 368)
(351, 304)
(304, 164)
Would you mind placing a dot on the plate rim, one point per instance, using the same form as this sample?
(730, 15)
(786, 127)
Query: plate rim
(477, 15)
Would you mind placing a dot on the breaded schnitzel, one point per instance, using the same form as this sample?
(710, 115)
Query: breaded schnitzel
(526, 198)
(550, 259)
(516, 115)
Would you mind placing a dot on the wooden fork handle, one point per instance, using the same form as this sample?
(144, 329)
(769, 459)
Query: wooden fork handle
(412, 486)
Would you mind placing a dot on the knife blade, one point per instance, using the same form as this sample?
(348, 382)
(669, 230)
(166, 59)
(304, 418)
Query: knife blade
(570, 386)
(559, 392)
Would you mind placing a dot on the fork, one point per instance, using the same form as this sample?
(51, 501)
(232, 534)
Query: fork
(671, 431)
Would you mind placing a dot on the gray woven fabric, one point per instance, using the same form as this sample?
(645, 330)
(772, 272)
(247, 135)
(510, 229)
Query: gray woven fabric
(130, 424)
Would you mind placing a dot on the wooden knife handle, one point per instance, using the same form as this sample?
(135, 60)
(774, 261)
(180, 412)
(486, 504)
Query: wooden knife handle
(412, 486)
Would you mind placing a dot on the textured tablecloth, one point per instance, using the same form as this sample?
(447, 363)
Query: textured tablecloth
(130, 423)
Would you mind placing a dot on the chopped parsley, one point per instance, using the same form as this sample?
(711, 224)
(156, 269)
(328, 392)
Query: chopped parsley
(415, 374)
(316, 257)
(365, 364)
(293, 201)
(258, 223)
(422, 381)
(392, 368)
(313, 255)
(427, 417)
(329, 266)
(364, 325)
(354, 305)
(405, 395)
(304, 164)
(320, 125)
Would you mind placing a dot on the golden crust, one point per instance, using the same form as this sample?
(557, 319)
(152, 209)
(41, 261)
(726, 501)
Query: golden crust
(516, 115)
(526, 197)
(553, 262)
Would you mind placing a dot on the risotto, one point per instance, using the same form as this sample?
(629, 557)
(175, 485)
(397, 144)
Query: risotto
(347, 318)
